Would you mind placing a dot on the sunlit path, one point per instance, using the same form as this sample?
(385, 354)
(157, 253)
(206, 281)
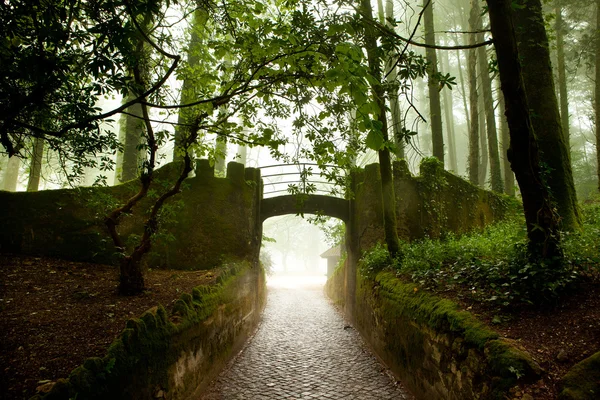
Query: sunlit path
(303, 350)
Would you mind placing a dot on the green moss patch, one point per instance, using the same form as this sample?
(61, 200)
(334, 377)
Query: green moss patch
(582, 382)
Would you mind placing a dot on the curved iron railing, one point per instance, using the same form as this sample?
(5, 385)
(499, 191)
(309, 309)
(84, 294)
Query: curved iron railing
(304, 183)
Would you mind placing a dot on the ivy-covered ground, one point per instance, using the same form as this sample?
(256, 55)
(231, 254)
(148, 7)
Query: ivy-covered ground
(57, 313)
(553, 312)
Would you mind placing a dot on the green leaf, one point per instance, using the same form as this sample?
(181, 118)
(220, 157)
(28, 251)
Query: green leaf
(374, 140)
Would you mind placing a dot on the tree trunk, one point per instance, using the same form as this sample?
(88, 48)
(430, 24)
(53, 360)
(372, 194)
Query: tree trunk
(490, 122)
(189, 82)
(509, 180)
(392, 75)
(242, 153)
(35, 169)
(539, 85)
(11, 176)
(542, 224)
(483, 143)
(462, 87)
(435, 109)
(473, 98)
(597, 91)
(449, 116)
(562, 80)
(385, 164)
(220, 154)
(133, 126)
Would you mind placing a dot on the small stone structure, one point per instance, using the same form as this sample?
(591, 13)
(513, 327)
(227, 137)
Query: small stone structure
(332, 256)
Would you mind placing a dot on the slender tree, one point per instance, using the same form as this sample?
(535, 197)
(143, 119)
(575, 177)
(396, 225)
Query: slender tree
(559, 30)
(597, 90)
(509, 181)
(35, 168)
(490, 122)
(473, 97)
(435, 109)
(385, 165)
(449, 115)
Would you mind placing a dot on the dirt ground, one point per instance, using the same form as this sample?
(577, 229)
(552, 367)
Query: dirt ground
(55, 314)
(557, 336)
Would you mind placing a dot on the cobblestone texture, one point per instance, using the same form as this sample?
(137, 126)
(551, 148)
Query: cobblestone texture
(304, 350)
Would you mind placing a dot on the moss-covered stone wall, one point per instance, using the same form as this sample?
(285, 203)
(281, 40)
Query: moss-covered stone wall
(212, 220)
(173, 354)
(437, 351)
(434, 203)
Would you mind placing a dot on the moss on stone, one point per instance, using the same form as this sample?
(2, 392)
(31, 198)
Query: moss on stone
(582, 382)
(140, 358)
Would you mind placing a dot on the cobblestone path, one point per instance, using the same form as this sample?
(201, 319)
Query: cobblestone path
(303, 350)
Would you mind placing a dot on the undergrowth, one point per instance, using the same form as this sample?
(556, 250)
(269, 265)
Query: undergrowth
(493, 265)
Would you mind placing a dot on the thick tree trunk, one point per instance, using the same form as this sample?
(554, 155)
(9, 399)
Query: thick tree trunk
(490, 122)
(562, 80)
(435, 109)
(35, 169)
(539, 85)
(473, 98)
(385, 164)
(11, 175)
(509, 179)
(449, 115)
(542, 224)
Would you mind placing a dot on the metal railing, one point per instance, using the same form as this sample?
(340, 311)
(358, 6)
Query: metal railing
(304, 184)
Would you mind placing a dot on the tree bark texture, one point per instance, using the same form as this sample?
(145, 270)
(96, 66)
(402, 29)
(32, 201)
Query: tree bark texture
(189, 83)
(562, 79)
(509, 179)
(392, 75)
(473, 98)
(483, 142)
(542, 224)
(490, 122)
(385, 164)
(35, 169)
(133, 126)
(539, 85)
(447, 96)
(435, 109)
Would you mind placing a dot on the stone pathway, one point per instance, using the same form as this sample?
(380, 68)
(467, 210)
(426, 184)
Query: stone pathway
(303, 350)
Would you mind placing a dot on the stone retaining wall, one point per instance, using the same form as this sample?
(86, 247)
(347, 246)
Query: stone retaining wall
(173, 354)
(212, 220)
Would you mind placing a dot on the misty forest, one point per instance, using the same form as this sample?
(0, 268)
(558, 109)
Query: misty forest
(324, 199)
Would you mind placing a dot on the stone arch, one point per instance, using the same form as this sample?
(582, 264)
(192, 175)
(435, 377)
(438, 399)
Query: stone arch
(313, 204)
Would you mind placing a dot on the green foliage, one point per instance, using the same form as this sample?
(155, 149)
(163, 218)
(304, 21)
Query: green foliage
(493, 265)
(374, 260)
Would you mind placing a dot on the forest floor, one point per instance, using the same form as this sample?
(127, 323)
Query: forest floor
(56, 313)
(556, 336)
